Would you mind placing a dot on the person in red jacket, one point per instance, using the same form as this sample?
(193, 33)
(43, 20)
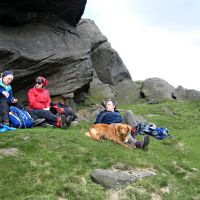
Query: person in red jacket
(39, 104)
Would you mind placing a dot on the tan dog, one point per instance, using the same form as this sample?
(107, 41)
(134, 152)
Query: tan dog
(117, 133)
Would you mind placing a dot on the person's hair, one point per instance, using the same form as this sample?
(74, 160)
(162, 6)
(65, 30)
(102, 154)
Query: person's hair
(41, 80)
(105, 102)
(6, 73)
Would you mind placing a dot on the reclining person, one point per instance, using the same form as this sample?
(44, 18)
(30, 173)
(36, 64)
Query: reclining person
(111, 116)
(39, 104)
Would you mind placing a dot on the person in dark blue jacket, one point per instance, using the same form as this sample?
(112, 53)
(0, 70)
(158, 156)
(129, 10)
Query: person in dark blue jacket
(108, 117)
(111, 116)
(6, 95)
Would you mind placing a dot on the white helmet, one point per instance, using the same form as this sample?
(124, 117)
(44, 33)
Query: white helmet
(152, 126)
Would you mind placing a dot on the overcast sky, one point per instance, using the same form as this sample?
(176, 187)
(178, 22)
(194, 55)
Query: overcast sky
(154, 38)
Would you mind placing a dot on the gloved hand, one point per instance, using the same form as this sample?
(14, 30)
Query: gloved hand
(60, 110)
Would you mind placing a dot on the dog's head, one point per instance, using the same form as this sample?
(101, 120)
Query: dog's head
(123, 130)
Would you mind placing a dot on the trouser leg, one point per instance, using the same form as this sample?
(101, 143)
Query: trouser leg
(46, 114)
(129, 118)
(4, 110)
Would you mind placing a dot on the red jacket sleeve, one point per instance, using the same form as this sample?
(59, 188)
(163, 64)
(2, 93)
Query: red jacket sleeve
(48, 101)
(32, 101)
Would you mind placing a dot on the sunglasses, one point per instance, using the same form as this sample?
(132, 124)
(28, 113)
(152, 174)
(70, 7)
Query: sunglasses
(39, 83)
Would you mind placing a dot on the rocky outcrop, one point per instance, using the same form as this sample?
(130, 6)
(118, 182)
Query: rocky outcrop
(182, 94)
(110, 74)
(68, 56)
(156, 89)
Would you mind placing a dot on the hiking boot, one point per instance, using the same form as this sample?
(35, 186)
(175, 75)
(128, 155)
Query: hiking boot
(6, 124)
(38, 121)
(64, 122)
(69, 120)
(145, 142)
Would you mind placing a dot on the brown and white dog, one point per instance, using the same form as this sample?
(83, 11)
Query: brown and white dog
(117, 133)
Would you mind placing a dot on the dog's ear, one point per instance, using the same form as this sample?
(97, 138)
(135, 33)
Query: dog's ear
(117, 130)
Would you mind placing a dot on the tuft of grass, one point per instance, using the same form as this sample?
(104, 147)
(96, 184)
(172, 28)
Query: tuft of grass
(57, 164)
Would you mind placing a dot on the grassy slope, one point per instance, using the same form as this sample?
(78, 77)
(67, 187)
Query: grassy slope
(55, 163)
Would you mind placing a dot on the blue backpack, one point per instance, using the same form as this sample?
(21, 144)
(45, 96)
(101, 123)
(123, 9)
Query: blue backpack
(162, 133)
(159, 133)
(20, 118)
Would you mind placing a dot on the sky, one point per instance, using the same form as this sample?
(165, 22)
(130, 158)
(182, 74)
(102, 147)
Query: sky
(154, 38)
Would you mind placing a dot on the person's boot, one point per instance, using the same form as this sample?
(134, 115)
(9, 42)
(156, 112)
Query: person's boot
(64, 122)
(6, 123)
(69, 120)
(145, 142)
(59, 122)
(39, 121)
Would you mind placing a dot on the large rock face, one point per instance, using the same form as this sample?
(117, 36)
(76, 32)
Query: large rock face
(40, 49)
(14, 13)
(48, 38)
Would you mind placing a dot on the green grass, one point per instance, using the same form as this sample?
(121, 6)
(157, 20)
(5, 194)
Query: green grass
(57, 164)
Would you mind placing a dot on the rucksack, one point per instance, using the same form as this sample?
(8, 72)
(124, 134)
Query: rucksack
(162, 133)
(62, 109)
(20, 118)
(159, 133)
(149, 128)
